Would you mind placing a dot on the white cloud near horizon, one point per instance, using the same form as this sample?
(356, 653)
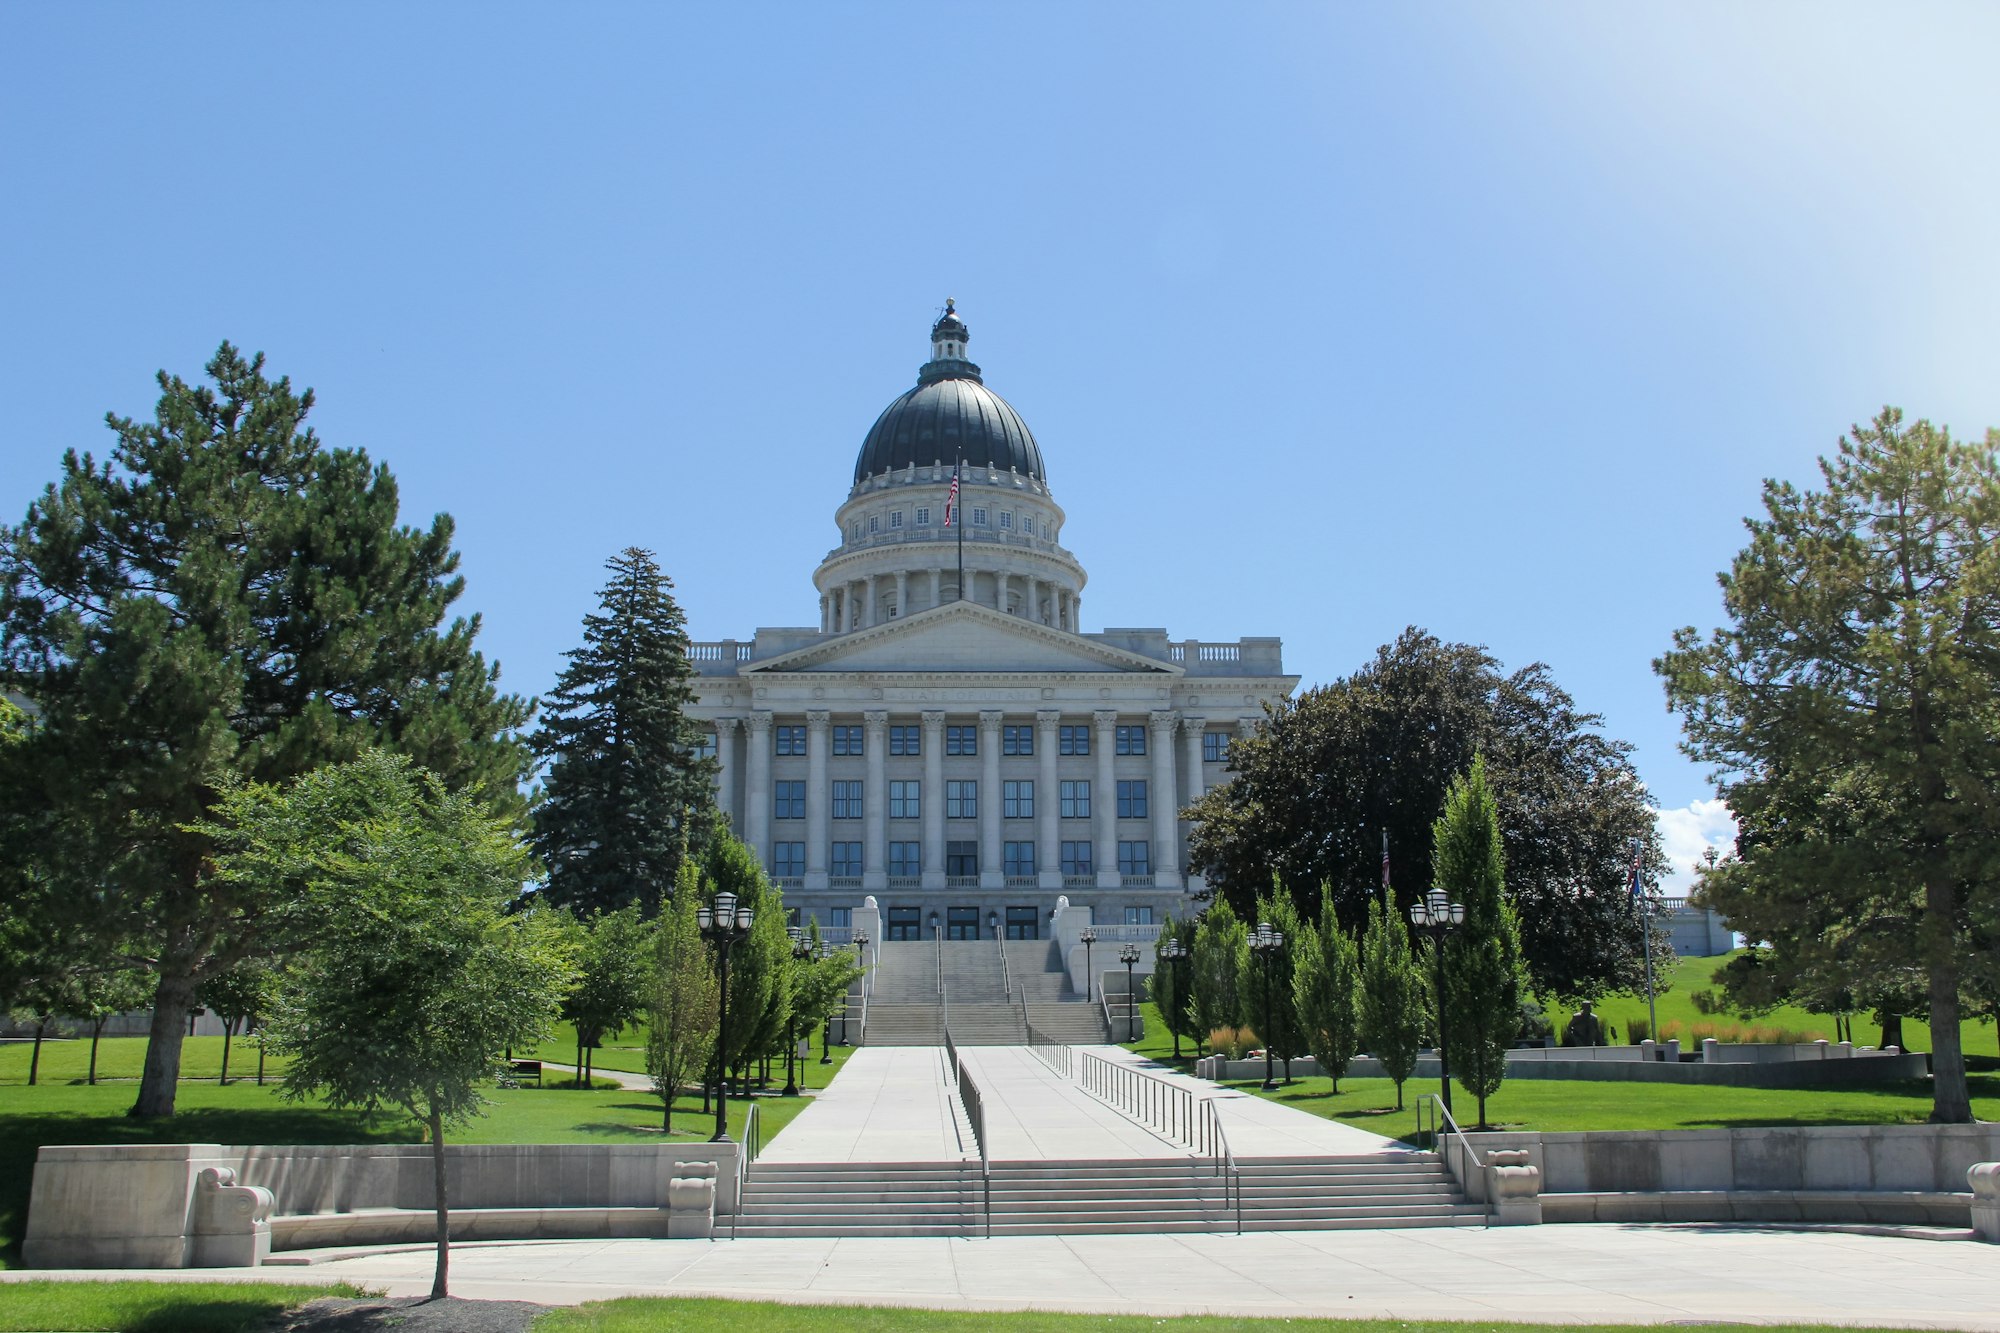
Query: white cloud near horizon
(1689, 830)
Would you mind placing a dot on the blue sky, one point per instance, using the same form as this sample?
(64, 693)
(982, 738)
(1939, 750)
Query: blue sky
(1329, 319)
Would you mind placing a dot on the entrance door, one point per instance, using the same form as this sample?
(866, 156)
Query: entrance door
(961, 923)
(1024, 923)
(904, 924)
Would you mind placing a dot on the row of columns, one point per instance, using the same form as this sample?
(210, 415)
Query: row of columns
(857, 603)
(1163, 801)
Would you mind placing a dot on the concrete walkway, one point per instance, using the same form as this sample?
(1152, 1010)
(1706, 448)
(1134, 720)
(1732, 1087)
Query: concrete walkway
(1625, 1274)
(1256, 1127)
(888, 1104)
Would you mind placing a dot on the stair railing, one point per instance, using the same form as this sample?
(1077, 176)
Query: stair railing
(1225, 1160)
(975, 1115)
(950, 1054)
(752, 1147)
(1006, 981)
(1167, 1108)
(1437, 1123)
(1055, 1054)
(1104, 1002)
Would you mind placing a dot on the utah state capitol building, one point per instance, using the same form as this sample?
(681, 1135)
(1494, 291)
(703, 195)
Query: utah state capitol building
(968, 754)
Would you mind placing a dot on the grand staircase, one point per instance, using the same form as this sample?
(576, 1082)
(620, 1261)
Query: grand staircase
(1111, 1196)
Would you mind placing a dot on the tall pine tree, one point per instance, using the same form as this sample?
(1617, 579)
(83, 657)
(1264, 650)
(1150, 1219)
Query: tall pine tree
(627, 792)
(1481, 1004)
(222, 600)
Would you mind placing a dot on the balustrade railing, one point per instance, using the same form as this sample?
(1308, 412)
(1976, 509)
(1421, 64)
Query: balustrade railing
(1058, 1056)
(1169, 1109)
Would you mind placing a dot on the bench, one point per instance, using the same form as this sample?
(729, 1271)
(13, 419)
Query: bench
(527, 1069)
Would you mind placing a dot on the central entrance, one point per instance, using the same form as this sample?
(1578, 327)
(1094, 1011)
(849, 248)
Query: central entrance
(961, 923)
(1023, 923)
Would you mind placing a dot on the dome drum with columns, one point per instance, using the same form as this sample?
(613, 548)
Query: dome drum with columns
(969, 751)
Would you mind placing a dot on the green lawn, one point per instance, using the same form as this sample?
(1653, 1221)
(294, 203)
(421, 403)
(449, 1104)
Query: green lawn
(154, 1307)
(650, 1315)
(245, 1113)
(123, 1057)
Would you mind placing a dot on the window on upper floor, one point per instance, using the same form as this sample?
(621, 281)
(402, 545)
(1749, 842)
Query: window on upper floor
(1138, 916)
(788, 859)
(1017, 859)
(874, 523)
(923, 516)
(790, 740)
(848, 740)
(906, 740)
(961, 800)
(1017, 739)
(1075, 799)
(846, 860)
(1017, 800)
(1135, 858)
(906, 800)
(906, 859)
(1215, 747)
(1132, 799)
(1076, 858)
(961, 740)
(979, 518)
(1131, 740)
(895, 518)
(847, 800)
(704, 745)
(789, 800)
(1072, 740)
(1006, 520)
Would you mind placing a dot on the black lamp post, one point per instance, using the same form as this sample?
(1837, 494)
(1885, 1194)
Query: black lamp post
(826, 1029)
(1089, 937)
(1129, 954)
(722, 925)
(1267, 943)
(993, 923)
(1175, 955)
(802, 951)
(1436, 914)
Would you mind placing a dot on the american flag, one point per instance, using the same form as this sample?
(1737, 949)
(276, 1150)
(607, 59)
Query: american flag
(951, 502)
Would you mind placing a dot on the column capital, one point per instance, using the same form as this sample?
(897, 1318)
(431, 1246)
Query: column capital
(817, 718)
(878, 722)
(989, 719)
(1247, 726)
(1164, 721)
(758, 724)
(1046, 719)
(1193, 721)
(726, 726)
(1105, 718)
(933, 719)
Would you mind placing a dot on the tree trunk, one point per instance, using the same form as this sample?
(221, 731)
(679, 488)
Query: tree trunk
(260, 1063)
(159, 1082)
(35, 1060)
(1951, 1099)
(438, 1281)
(96, 1031)
(1399, 1094)
(228, 1035)
(579, 1060)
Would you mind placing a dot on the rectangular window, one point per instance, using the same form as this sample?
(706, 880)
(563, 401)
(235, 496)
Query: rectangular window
(961, 923)
(1023, 923)
(1017, 739)
(905, 923)
(1017, 800)
(923, 516)
(906, 800)
(791, 740)
(961, 859)
(906, 740)
(1076, 858)
(846, 860)
(979, 518)
(790, 802)
(1131, 740)
(1135, 858)
(1018, 859)
(961, 800)
(1007, 521)
(896, 519)
(788, 859)
(1214, 747)
(1132, 799)
(906, 859)
(961, 740)
(1028, 524)
(704, 745)
(1138, 916)
(847, 799)
(840, 916)
(1072, 740)
(1075, 799)
(847, 740)
(874, 522)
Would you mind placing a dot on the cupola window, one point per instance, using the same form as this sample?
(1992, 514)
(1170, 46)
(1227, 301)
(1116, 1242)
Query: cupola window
(923, 516)
(896, 519)
(979, 518)
(1007, 521)
(874, 523)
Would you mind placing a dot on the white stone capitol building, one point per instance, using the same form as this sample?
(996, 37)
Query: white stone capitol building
(969, 752)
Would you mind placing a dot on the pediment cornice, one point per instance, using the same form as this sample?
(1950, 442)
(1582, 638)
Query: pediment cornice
(822, 658)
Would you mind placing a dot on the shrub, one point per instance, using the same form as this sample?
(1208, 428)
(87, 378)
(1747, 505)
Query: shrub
(1638, 1030)
(1233, 1042)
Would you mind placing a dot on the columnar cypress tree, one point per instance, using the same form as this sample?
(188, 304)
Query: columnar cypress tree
(625, 787)
(1221, 961)
(222, 600)
(1392, 993)
(1481, 1006)
(1170, 986)
(1325, 986)
(1269, 982)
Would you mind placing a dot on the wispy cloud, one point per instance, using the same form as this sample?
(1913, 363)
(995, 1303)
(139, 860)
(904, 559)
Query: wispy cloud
(1688, 831)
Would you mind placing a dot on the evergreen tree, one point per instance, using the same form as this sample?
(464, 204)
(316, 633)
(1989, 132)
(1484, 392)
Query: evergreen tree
(1215, 977)
(1269, 995)
(222, 600)
(1481, 1006)
(1326, 992)
(626, 790)
(1392, 993)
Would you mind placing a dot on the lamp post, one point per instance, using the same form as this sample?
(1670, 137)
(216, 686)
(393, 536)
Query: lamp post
(1175, 955)
(1128, 954)
(934, 925)
(722, 924)
(1089, 937)
(993, 923)
(802, 951)
(826, 1029)
(1436, 914)
(1267, 942)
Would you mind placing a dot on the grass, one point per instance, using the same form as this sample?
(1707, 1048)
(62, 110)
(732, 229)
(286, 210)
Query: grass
(122, 1058)
(651, 1314)
(245, 1113)
(153, 1307)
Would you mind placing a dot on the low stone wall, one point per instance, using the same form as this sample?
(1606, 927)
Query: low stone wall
(127, 1206)
(1614, 1064)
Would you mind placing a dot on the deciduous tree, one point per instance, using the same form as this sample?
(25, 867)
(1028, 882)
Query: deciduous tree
(1392, 993)
(1326, 992)
(681, 1003)
(613, 966)
(1170, 985)
(1220, 964)
(1481, 1005)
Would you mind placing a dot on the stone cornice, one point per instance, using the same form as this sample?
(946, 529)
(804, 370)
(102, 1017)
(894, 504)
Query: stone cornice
(831, 648)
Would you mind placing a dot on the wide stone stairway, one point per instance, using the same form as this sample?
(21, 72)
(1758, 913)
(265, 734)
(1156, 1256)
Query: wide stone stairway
(990, 993)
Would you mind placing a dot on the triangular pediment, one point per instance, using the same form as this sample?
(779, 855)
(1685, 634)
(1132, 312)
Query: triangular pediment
(960, 636)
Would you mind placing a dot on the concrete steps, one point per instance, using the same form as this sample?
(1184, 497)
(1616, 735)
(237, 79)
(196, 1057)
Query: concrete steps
(1105, 1197)
(987, 1025)
(1076, 1024)
(904, 1025)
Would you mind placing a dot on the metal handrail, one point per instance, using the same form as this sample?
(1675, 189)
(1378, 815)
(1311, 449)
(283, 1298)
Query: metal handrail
(1167, 1108)
(1058, 1056)
(1225, 1161)
(950, 1054)
(1104, 1003)
(752, 1146)
(975, 1115)
(1006, 981)
(1441, 1122)
(937, 942)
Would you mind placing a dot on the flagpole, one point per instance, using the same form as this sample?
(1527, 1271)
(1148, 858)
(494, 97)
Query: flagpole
(958, 517)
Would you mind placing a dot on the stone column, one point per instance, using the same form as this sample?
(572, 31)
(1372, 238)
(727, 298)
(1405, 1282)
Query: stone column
(1075, 613)
(902, 592)
(875, 804)
(1192, 729)
(991, 876)
(1034, 599)
(823, 599)
(725, 771)
(816, 798)
(1161, 804)
(873, 605)
(757, 785)
(933, 799)
(937, 587)
(1104, 799)
(1048, 804)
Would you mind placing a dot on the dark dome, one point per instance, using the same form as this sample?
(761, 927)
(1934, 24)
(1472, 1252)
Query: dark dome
(951, 415)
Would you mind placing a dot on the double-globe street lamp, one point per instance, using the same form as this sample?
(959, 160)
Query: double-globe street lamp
(1175, 955)
(723, 924)
(1089, 937)
(802, 952)
(1437, 915)
(1129, 954)
(1267, 942)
